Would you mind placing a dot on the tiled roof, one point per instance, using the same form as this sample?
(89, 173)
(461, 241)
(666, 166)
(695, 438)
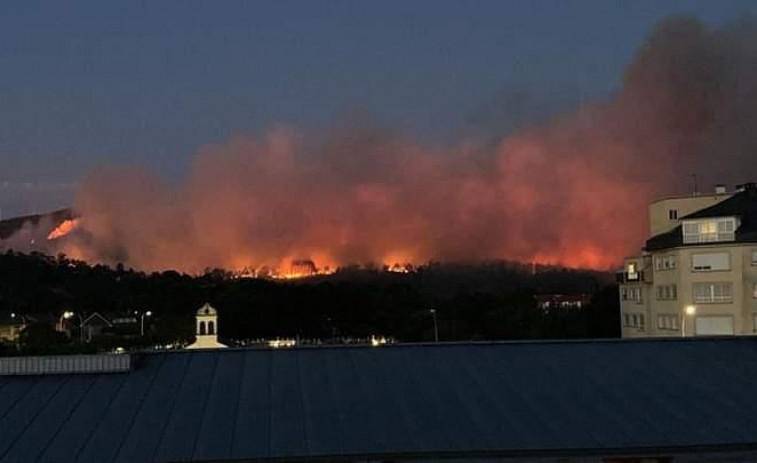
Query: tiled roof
(489, 399)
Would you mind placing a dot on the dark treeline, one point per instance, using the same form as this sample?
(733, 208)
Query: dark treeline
(485, 301)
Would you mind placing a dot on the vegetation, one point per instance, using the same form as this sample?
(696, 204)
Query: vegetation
(486, 301)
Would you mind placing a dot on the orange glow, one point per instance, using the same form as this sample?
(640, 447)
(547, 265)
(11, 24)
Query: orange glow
(65, 227)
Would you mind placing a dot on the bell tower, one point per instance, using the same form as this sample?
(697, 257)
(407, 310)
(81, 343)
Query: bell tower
(206, 329)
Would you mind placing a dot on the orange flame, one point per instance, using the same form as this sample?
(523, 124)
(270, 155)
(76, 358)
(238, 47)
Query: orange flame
(65, 227)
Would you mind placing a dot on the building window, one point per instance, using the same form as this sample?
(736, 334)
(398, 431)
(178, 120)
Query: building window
(202, 328)
(754, 257)
(673, 214)
(709, 230)
(754, 290)
(711, 262)
(713, 292)
(667, 293)
(662, 263)
(754, 322)
(632, 271)
(631, 294)
(633, 320)
(667, 322)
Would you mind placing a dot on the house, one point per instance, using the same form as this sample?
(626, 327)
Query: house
(697, 274)
(547, 302)
(650, 400)
(94, 325)
(11, 325)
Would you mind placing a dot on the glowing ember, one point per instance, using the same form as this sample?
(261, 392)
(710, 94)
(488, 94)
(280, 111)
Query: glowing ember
(65, 227)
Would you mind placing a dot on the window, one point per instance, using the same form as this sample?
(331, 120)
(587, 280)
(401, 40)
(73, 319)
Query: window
(667, 322)
(711, 262)
(202, 328)
(673, 214)
(722, 325)
(631, 294)
(632, 270)
(633, 320)
(211, 328)
(754, 322)
(754, 290)
(662, 263)
(713, 292)
(709, 230)
(754, 257)
(667, 292)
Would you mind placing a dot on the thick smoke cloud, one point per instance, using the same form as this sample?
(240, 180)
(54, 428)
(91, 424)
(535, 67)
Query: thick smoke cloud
(571, 192)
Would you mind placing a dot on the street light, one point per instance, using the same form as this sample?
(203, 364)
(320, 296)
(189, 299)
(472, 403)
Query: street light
(67, 315)
(436, 325)
(690, 310)
(142, 322)
(15, 315)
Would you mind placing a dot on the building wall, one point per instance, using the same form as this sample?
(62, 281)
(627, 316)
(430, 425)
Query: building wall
(742, 275)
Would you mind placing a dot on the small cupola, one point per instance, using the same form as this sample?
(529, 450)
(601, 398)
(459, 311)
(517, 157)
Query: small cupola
(206, 329)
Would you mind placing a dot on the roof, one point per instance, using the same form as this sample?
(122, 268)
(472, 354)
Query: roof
(206, 309)
(96, 320)
(493, 399)
(742, 204)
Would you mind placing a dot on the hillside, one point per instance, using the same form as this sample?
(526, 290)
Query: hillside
(50, 220)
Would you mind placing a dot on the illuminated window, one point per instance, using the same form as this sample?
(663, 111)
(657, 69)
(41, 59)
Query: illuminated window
(713, 292)
(709, 231)
(632, 270)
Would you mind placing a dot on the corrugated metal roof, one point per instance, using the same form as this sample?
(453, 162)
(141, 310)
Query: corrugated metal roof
(445, 399)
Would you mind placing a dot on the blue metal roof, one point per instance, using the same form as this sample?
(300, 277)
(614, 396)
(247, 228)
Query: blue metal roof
(445, 399)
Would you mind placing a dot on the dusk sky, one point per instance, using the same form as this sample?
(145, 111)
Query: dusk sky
(85, 84)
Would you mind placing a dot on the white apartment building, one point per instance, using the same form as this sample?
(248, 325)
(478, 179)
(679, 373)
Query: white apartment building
(697, 274)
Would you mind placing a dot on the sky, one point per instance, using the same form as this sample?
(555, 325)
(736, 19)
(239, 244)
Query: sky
(85, 84)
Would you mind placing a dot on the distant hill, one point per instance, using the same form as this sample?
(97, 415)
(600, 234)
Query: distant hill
(10, 226)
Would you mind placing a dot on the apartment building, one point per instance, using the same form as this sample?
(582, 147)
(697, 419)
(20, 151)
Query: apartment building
(697, 274)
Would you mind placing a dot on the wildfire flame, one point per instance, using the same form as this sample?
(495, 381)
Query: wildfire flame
(65, 227)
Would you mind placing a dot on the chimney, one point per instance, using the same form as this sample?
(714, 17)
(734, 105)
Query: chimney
(720, 189)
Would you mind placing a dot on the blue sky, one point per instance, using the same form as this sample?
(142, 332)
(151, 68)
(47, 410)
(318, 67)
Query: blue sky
(88, 83)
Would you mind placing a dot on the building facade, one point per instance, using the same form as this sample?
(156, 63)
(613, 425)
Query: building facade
(697, 274)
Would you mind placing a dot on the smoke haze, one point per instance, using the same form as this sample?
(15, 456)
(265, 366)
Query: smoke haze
(573, 191)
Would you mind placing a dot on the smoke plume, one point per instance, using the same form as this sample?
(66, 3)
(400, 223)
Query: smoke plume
(572, 192)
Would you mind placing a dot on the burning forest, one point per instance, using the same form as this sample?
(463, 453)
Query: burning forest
(572, 191)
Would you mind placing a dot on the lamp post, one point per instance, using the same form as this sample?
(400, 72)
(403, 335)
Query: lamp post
(690, 310)
(16, 315)
(142, 322)
(67, 315)
(436, 325)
